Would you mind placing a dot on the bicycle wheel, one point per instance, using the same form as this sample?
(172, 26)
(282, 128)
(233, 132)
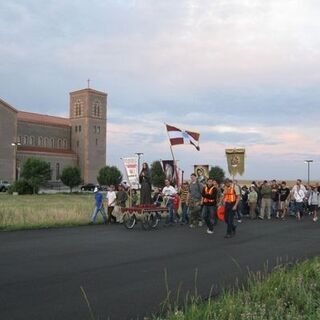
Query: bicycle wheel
(154, 219)
(129, 220)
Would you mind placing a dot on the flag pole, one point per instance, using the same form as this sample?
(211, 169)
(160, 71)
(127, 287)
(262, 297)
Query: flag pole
(173, 158)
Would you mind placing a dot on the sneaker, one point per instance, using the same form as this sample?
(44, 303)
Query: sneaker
(240, 221)
(227, 236)
(200, 224)
(261, 218)
(315, 219)
(191, 226)
(209, 231)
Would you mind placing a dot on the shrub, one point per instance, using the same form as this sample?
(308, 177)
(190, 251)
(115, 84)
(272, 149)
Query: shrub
(22, 187)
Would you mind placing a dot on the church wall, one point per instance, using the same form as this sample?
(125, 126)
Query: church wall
(8, 125)
(57, 161)
(44, 135)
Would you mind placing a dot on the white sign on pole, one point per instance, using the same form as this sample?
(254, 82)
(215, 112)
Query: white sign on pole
(131, 165)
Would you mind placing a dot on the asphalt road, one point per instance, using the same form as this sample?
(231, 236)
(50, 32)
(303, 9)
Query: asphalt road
(123, 272)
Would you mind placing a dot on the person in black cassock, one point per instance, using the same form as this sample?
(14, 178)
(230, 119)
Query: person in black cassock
(145, 182)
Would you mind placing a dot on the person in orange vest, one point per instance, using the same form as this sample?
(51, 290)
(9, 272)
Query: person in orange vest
(209, 201)
(231, 198)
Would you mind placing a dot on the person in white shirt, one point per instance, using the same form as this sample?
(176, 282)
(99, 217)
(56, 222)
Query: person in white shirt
(111, 201)
(299, 193)
(313, 201)
(168, 193)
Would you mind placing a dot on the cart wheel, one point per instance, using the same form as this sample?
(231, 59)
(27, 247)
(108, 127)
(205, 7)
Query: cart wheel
(145, 222)
(154, 219)
(129, 220)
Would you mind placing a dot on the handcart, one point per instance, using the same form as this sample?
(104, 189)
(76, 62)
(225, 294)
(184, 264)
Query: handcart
(148, 215)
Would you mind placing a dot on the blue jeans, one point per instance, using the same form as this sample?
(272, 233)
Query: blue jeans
(229, 217)
(274, 207)
(185, 212)
(239, 210)
(95, 213)
(170, 211)
(208, 215)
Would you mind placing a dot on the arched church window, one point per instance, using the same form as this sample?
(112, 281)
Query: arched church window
(78, 108)
(96, 108)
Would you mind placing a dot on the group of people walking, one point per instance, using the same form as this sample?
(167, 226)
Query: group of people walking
(113, 198)
(199, 203)
(195, 202)
(272, 199)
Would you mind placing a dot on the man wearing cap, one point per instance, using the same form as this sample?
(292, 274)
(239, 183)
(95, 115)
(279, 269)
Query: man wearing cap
(231, 198)
(99, 206)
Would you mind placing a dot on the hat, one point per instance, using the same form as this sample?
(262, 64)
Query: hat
(95, 189)
(227, 180)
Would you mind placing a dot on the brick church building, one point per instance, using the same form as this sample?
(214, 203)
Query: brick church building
(77, 140)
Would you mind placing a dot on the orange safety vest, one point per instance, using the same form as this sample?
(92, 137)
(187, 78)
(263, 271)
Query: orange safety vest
(229, 195)
(208, 191)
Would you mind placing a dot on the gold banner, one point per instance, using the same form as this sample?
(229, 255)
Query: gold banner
(235, 160)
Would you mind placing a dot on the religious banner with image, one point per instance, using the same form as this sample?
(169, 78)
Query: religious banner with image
(169, 169)
(131, 165)
(235, 160)
(202, 172)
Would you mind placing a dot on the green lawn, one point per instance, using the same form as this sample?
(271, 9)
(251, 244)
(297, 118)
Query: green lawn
(288, 293)
(40, 211)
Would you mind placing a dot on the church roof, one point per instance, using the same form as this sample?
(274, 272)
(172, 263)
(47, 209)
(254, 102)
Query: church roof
(6, 104)
(89, 90)
(42, 118)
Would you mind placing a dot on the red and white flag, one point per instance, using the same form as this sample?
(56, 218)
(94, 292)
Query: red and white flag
(178, 136)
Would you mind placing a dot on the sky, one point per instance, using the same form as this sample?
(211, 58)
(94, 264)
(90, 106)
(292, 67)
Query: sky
(242, 73)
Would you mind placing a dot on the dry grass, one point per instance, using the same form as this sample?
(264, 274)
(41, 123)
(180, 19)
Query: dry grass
(38, 211)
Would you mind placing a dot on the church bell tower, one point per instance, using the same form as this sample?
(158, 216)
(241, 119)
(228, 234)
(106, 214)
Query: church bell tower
(88, 120)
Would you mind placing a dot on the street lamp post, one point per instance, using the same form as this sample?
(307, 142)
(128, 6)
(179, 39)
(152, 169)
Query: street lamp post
(308, 162)
(15, 145)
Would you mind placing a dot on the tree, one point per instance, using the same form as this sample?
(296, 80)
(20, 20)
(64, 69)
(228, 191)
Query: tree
(109, 175)
(36, 172)
(71, 177)
(217, 174)
(157, 174)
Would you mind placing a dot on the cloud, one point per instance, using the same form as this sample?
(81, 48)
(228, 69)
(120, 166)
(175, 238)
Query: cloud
(242, 73)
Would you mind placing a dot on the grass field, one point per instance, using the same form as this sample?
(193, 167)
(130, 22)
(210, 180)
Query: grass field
(287, 293)
(41, 211)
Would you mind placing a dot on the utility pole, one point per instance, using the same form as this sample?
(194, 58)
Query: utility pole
(308, 162)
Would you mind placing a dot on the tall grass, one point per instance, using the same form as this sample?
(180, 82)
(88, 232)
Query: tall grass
(38, 211)
(287, 293)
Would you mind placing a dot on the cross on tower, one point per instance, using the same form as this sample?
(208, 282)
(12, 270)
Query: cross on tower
(88, 83)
